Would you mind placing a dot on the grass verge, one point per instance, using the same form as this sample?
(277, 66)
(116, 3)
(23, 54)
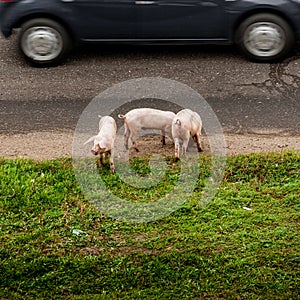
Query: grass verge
(243, 245)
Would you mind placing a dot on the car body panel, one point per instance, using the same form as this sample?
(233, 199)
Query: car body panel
(182, 19)
(104, 19)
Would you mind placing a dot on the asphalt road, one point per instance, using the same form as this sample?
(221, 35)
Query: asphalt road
(247, 97)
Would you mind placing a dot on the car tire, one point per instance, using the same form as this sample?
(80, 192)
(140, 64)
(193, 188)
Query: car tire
(44, 42)
(265, 37)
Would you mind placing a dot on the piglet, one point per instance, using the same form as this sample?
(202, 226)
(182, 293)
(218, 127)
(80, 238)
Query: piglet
(186, 124)
(104, 140)
(146, 118)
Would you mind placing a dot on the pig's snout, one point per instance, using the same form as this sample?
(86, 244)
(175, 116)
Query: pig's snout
(94, 151)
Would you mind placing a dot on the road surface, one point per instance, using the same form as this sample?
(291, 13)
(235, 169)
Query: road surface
(247, 97)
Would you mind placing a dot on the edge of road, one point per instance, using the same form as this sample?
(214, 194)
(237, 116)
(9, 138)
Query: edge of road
(41, 145)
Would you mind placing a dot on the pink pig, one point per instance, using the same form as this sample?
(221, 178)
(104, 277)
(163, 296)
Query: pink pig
(186, 124)
(104, 140)
(146, 118)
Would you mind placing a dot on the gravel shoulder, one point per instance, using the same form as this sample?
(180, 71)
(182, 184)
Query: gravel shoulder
(50, 145)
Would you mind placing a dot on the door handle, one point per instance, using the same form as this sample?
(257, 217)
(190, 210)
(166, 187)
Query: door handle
(209, 4)
(144, 2)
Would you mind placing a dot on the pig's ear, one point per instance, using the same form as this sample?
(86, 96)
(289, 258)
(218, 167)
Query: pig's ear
(91, 139)
(99, 116)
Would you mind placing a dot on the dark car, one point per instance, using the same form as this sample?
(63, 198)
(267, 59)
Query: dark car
(265, 30)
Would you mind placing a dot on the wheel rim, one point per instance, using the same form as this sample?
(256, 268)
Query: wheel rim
(42, 43)
(264, 39)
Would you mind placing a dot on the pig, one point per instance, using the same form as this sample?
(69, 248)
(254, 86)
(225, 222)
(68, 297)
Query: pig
(146, 118)
(104, 140)
(186, 124)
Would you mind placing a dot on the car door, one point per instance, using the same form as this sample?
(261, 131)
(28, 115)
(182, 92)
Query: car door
(104, 19)
(182, 19)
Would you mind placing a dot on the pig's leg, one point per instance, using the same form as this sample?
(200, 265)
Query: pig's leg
(111, 161)
(185, 141)
(133, 137)
(126, 136)
(163, 137)
(101, 160)
(177, 146)
(184, 146)
(196, 138)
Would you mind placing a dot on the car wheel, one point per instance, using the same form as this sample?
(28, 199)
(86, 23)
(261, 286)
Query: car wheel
(44, 42)
(265, 37)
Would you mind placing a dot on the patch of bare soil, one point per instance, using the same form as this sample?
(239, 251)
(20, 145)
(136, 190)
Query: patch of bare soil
(50, 145)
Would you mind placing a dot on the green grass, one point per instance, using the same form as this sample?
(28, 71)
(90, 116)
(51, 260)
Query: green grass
(220, 251)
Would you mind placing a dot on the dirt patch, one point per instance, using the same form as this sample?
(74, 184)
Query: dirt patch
(37, 145)
(50, 145)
